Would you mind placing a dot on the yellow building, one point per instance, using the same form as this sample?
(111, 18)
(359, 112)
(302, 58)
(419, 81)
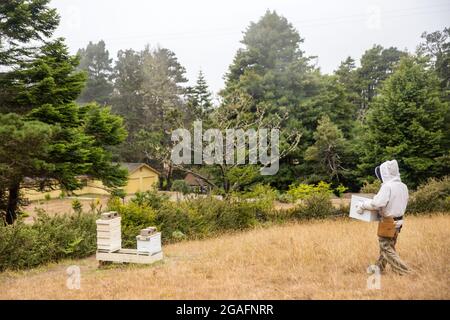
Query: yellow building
(141, 177)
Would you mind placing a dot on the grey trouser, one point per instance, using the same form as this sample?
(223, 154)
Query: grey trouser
(389, 255)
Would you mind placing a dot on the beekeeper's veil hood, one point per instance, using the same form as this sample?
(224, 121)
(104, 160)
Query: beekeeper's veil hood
(389, 171)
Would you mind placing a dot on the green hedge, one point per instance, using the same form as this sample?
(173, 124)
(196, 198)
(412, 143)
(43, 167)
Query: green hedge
(203, 217)
(316, 206)
(433, 196)
(48, 239)
(194, 218)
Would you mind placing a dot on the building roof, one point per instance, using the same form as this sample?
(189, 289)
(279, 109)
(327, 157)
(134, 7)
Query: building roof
(193, 180)
(133, 166)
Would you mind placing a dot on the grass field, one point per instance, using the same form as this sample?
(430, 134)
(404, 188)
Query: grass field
(310, 260)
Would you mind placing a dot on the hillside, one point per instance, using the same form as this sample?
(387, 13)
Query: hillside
(314, 260)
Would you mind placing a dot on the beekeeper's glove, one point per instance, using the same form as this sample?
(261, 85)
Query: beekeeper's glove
(359, 208)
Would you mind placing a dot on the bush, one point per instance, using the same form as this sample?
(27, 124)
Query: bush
(180, 186)
(371, 187)
(339, 190)
(136, 215)
(434, 195)
(198, 218)
(190, 219)
(48, 239)
(316, 205)
(303, 191)
(284, 198)
(150, 198)
(263, 195)
(77, 206)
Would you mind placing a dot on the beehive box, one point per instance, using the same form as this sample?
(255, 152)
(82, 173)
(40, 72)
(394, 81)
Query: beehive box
(109, 234)
(366, 215)
(149, 244)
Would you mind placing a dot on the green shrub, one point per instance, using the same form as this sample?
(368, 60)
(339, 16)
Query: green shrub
(48, 239)
(263, 195)
(339, 190)
(150, 198)
(171, 220)
(198, 218)
(371, 187)
(77, 206)
(302, 191)
(434, 195)
(180, 186)
(135, 215)
(284, 198)
(316, 205)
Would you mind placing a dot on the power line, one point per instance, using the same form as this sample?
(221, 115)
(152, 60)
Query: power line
(305, 23)
(210, 33)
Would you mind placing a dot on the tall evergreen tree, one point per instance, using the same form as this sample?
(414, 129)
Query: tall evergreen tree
(436, 48)
(329, 151)
(51, 139)
(149, 94)
(94, 59)
(24, 24)
(407, 122)
(199, 98)
(276, 74)
(377, 64)
(127, 99)
(347, 76)
(271, 67)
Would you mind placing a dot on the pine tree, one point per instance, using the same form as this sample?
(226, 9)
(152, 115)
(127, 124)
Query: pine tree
(199, 98)
(273, 71)
(436, 48)
(271, 67)
(407, 122)
(96, 62)
(377, 64)
(24, 24)
(329, 151)
(53, 140)
(347, 77)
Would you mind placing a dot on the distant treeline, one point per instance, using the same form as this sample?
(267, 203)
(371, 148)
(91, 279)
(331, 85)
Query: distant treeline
(395, 104)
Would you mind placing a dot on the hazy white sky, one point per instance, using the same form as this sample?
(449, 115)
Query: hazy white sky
(205, 34)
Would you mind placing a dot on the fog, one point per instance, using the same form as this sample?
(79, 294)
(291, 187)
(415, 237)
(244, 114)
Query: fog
(206, 34)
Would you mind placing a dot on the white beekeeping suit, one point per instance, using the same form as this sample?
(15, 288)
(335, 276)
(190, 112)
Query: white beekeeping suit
(392, 198)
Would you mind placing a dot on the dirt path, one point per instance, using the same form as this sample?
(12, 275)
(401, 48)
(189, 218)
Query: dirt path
(314, 260)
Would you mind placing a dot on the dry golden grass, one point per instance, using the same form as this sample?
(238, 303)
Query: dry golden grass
(314, 260)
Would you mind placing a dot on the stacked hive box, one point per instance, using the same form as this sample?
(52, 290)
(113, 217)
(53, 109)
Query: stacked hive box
(149, 241)
(109, 236)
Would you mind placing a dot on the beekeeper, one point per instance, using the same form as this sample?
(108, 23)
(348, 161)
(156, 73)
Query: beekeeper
(390, 201)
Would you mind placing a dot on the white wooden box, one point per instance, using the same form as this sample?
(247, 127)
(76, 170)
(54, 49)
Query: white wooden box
(110, 246)
(109, 224)
(149, 244)
(367, 215)
(109, 234)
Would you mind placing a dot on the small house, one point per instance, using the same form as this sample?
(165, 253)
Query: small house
(197, 184)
